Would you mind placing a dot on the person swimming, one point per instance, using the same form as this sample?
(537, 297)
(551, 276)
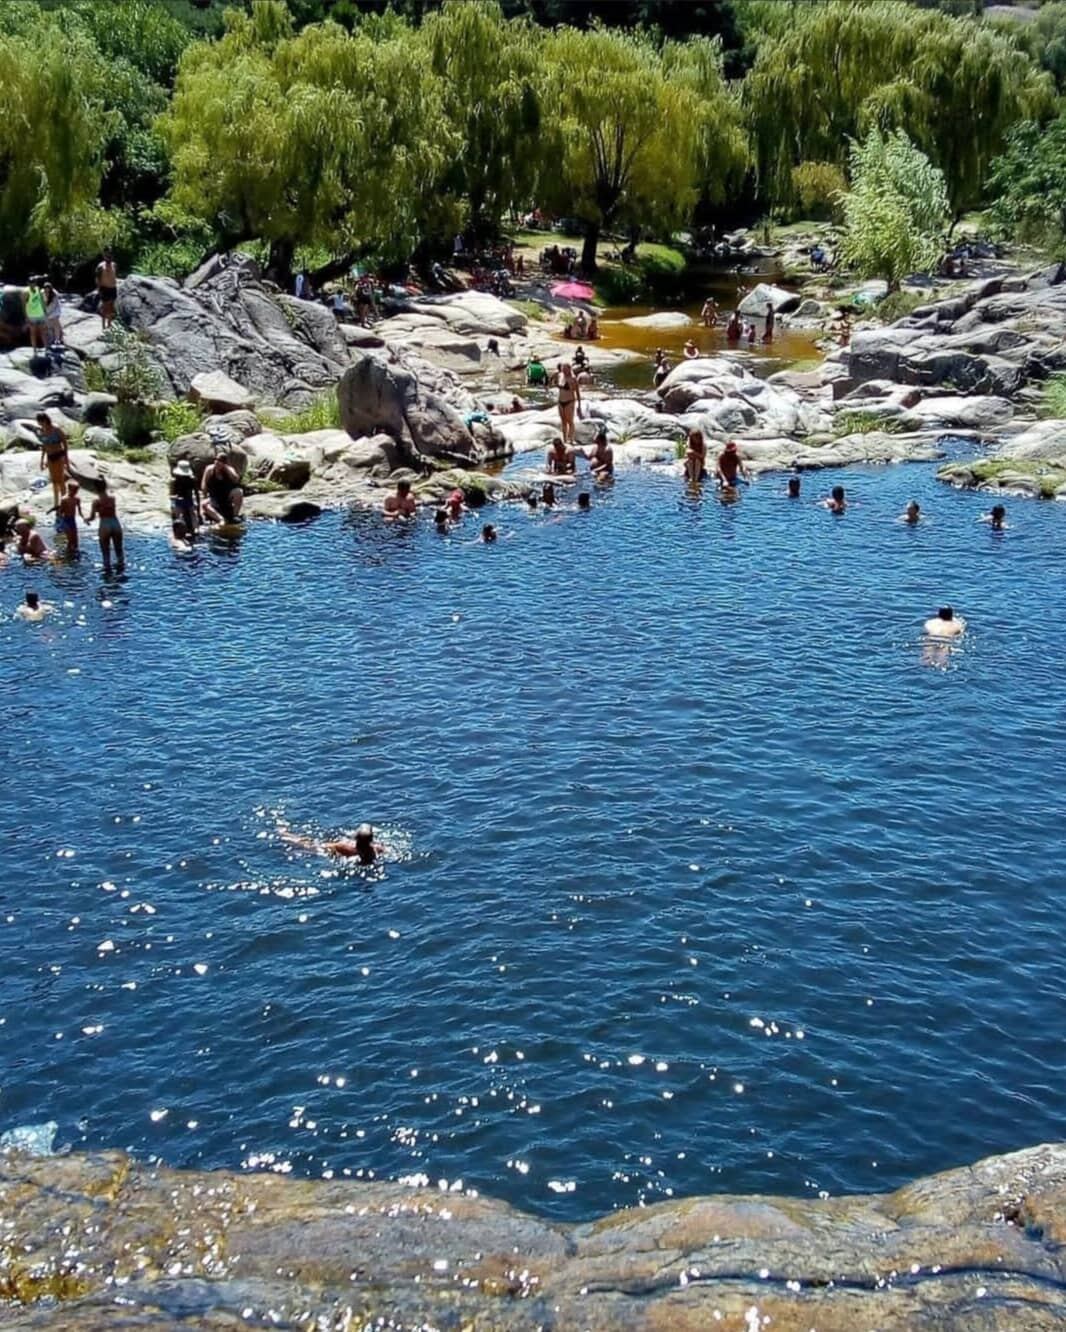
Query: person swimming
(532, 500)
(912, 514)
(33, 609)
(488, 534)
(361, 847)
(402, 503)
(793, 488)
(584, 501)
(547, 494)
(730, 466)
(996, 519)
(440, 520)
(945, 624)
(837, 502)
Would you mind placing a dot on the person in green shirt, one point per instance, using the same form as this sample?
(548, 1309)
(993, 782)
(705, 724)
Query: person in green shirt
(36, 316)
(535, 371)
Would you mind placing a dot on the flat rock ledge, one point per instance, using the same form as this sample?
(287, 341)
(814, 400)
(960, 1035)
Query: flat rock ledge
(93, 1242)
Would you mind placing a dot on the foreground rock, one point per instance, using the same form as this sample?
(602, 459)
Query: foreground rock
(1032, 465)
(100, 1242)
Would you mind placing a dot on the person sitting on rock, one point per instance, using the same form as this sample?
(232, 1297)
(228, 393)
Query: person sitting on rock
(730, 467)
(185, 497)
(837, 501)
(361, 847)
(220, 487)
(33, 609)
(561, 459)
(536, 374)
(696, 457)
(31, 544)
(601, 457)
(662, 371)
(581, 361)
(402, 503)
(581, 326)
(945, 624)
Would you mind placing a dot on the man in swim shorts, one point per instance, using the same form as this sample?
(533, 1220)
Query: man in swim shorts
(220, 486)
(68, 510)
(107, 288)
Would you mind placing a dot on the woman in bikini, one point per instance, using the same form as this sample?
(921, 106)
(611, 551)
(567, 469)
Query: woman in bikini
(53, 453)
(696, 457)
(568, 398)
(110, 530)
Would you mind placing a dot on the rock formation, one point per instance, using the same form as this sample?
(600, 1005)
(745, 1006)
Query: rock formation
(101, 1242)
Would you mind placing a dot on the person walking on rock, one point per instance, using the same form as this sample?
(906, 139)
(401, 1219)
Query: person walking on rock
(107, 288)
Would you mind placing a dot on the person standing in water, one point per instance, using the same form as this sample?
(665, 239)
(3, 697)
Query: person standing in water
(768, 335)
(601, 458)
(793, 488)
(402, 503)
(696, 457)
(54, 454)
(912, 514)
(105, 509)
(709, 313)
(945, 624)
(361, 847)
(730, 467)
(68, 511)
(107, 288)
(561, 460)
(184, 496)
(997, 519)
(220, 486)
(837, 502)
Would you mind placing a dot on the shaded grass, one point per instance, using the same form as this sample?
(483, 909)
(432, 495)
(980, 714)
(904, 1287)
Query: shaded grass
(322, 414)
(1053, 398)
(864, 423)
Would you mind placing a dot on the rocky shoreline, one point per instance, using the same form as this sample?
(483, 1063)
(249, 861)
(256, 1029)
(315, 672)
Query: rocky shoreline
(101, 1241)
(412, 396)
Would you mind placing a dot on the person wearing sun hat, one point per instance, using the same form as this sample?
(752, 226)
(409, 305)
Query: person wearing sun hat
(730, 466)
(185, 497)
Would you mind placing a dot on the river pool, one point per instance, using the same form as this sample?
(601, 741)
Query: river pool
(702, 873)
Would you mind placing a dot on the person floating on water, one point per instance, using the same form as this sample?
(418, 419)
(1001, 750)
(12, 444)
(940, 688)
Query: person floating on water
(730, 466)
(33, 609)
(361, 847)
(945, 624)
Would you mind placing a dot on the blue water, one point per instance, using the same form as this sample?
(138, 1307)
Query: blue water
(702, 874)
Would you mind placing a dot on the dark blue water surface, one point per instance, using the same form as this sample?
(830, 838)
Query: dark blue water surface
(703, 874)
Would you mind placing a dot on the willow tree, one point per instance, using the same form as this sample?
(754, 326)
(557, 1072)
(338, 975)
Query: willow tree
(896, 211)
(626, 136)
(491, 75)
(954, 85)
(324, 138)
(54, 127)
(722, 150)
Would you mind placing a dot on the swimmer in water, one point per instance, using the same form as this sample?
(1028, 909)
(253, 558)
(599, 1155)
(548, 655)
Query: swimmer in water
(793, 490)
(402, 504)
(440, 520)
(532, 500)
(455, 504)
(33, 609)
(488, 534)
(179, 537)
(584, 501)
(730, 466)
(547, 495)
(561, 459)
(836, 503)
(361, 847)
(945, 624)
(912, 514)
(996, 519)
(601, 457)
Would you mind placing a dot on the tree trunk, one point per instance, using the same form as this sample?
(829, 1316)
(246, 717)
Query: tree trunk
(279, 262)
(588, 249)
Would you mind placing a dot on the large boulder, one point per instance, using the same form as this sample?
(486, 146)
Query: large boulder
(424, 411)
(764, 294)
(665, 319)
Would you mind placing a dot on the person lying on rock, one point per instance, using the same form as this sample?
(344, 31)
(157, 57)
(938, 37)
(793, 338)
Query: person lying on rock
(402, 503)
(362, 846)
(601, 457)
(561, 459)
(220, 486)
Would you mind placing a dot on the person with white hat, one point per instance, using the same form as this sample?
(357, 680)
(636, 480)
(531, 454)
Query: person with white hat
(185, 497)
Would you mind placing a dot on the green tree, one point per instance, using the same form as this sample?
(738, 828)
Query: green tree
(1030, 179)
(323, 138)
(1044, 35)
(956, 87)
(492, 77)
(632, 142)
(896, 211)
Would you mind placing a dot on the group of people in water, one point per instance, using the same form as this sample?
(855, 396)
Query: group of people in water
(737, 328)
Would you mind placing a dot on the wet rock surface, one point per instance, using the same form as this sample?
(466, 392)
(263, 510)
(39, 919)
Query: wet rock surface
(99, 1241)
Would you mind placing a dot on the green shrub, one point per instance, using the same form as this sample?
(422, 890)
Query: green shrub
(95, 377)
(322, 414)
(818, 187)
(1053, 398)
(140, 456)
(174, 419)
(899, 303)
(864, 423)
(619, 286)
(134, 423)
